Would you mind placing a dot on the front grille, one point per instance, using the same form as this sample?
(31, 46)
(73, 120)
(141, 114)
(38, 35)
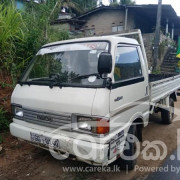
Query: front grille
(46, 119)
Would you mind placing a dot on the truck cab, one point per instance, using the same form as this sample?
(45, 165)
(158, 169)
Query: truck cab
(83, 97)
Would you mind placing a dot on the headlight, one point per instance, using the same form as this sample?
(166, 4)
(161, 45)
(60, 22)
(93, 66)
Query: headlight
(84, 123)
(94, 125)
(17, 111)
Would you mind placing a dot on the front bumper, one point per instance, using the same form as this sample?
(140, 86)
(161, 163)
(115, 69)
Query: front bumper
(83, 150)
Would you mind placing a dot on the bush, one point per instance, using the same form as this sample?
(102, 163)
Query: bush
(22, 33)
(37, 32)
(178, 64)
(4, 123)
(10, 32)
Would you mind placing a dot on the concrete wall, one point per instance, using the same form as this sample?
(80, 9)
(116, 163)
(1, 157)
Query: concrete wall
(148, 43)
(103, 21)
(165, 43)
(60, 27)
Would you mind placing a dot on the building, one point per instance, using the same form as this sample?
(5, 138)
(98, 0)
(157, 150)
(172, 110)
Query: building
(108, 19)
(114, 19)
(66, 22)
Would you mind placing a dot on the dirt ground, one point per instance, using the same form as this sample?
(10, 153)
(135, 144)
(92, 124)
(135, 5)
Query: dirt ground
(19, 160)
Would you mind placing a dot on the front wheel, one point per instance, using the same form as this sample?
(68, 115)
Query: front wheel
(128, 161)
(167, 115)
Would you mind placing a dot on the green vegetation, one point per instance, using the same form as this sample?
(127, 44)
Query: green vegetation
(86, 4)
(22, 33)
(157, 71)
(122, 2)
(4, 123)
(10, 33)
(127, 2)
(178, 64)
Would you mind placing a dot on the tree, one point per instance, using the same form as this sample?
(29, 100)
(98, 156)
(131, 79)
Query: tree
(71, 5)
(122, 2)
(86, 4)
(37, 28)
(127, 2)
(22, 33)
(113, 1)
(78, 5)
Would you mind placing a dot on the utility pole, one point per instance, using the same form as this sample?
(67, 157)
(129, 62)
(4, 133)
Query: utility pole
(157, 35)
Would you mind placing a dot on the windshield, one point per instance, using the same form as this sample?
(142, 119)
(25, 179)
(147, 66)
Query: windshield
(69, 63)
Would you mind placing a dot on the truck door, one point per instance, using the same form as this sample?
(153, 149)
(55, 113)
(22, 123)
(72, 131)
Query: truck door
(129, 98)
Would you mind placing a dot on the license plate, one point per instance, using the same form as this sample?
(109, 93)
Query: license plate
(44, 140)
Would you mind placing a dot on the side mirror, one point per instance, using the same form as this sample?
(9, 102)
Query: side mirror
(105, 63)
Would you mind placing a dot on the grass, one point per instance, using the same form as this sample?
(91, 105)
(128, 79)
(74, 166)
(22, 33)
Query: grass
(10, 32)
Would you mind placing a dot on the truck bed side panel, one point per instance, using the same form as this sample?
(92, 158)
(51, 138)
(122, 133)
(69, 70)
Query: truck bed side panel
(162, 88)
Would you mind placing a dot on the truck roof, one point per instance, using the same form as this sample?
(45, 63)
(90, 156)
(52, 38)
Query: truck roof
(113, 39)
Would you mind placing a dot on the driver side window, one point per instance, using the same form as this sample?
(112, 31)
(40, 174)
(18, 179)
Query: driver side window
(128, 65)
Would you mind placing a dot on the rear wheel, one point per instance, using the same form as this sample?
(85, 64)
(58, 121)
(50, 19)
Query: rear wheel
(167, 115)
(130, 161)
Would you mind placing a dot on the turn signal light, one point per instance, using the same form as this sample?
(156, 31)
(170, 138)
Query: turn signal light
(102, 126)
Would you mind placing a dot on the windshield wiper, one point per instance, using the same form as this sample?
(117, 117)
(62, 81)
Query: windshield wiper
(52, 80)
(86, 76)
(56, 82)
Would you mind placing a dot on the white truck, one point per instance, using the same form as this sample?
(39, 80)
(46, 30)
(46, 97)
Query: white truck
(84, 97)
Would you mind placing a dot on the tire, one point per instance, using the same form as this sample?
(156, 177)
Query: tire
(129, 164)
(168, 115)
